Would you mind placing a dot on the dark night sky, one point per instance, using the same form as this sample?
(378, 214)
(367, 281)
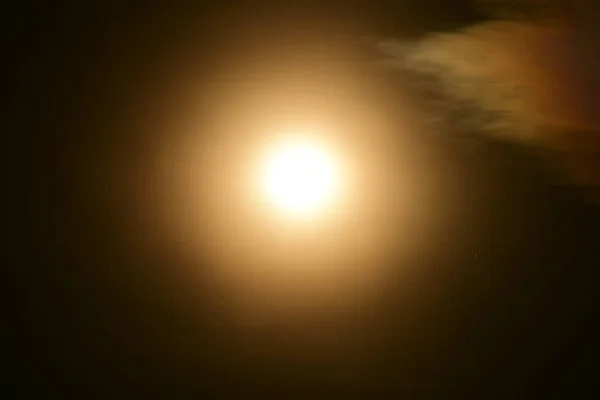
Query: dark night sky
(86, 326)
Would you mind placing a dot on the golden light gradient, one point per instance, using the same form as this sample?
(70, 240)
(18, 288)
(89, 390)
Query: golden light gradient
(300, 176)
(289, 184)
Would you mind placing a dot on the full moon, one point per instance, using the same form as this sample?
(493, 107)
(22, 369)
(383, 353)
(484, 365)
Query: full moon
(300, 176)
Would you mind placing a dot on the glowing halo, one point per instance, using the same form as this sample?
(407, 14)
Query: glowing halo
(300, 176)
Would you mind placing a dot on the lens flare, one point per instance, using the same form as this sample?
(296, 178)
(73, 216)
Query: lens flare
(300, 177)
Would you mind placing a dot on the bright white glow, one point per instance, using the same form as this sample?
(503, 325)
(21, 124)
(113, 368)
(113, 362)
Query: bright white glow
(300, 177)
